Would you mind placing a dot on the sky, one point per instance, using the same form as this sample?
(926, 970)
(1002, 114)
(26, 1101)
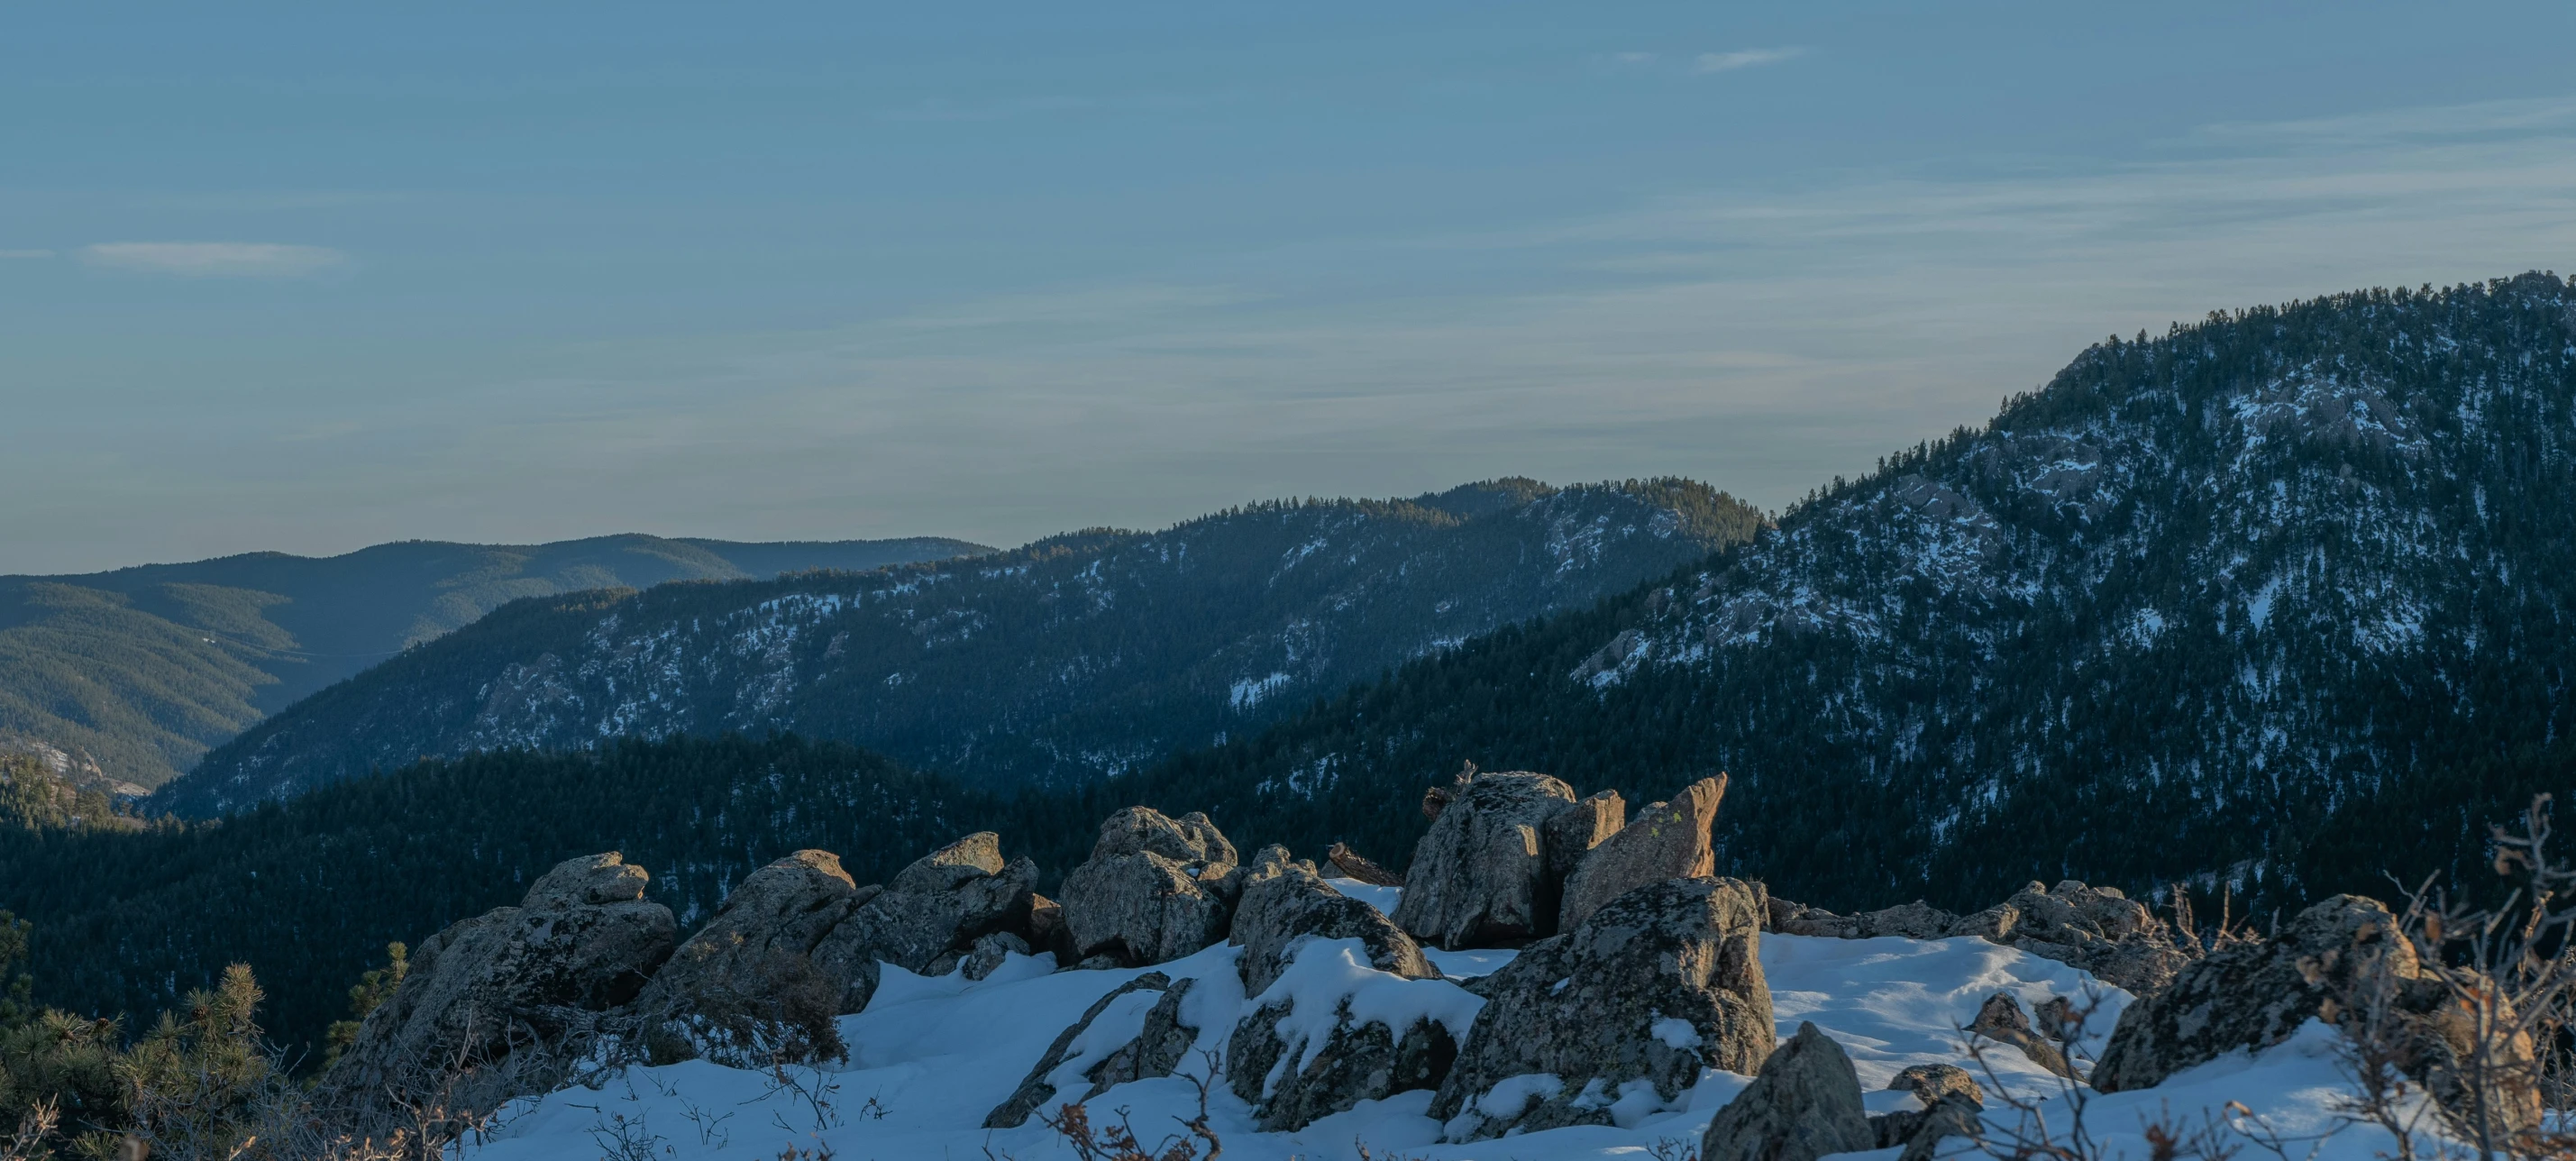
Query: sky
(307, 278)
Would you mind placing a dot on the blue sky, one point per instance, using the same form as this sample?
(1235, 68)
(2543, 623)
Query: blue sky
(313, 277)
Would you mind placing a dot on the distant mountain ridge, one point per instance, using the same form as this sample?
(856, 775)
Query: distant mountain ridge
(1073, 658)
(2284, 599)
(130, 675)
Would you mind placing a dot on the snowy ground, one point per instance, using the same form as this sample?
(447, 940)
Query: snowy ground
(930, 1057)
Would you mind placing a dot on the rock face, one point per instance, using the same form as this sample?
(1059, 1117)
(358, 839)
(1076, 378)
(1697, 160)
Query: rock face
(1330, 1033)
(1668, 840)
(929, 917)
(2337, 961)
(2094, 928)
(1155, 888)
(744, 991)
(1480, 877)
(1286, 900)
(1156, 1050)
(503, 1004)
(991, 951)
(1665, 980)
(2001, 1020)
(1803, 1104)
(1572, 834)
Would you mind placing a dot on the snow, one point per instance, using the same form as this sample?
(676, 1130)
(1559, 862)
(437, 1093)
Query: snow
(1324, 975)
(1248, 693)
(931, 1056)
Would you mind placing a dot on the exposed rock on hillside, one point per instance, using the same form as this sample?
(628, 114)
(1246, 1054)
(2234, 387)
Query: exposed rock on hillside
(2094, 928)
(1803, 1104)
(1155, 888)
(2001, 1020)
(929, 917)
(1480, 877)
(1623, 1010)
(504, 1003)
(734, 990)
(1157, 1048)
(2338, 961)
(1286, 902)
(1667, 840)
(1331, 1032)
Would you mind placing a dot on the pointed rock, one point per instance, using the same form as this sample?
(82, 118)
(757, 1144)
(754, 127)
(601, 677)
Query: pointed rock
(1667, 840)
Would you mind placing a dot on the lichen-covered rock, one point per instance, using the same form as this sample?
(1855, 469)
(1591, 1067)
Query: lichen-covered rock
(1285, 900)
(1951, 1101)
(502, 1004)
(1333, 1032)
(1916, 920)
(1667, 840)
(1572, 834)
(1157, 1048)
(2097, 929)
(2001, 1020)
(933, 911)
(2336, 961)
(1662, 982)
(1803, 1104)
(743, 991)
(1480, 877)
(1154, 889)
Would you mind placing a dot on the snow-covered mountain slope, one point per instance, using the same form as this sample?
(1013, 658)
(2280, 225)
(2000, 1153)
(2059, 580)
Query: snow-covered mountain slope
(2286, 597)
(930, 1057)
(1075, 657)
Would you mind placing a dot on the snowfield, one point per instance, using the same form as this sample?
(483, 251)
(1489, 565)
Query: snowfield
(931, 1056)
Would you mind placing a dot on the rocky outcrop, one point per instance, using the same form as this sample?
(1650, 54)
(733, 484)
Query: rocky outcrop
(1572, 834)
(1667, 840)
(2097, 929)
(1157, 1048)
(1350, 864)
(2345, 961)
(1154, 889)
(1285, 901)
(744, 990)
(502, 1004)
(1932, 1083)
(1803, 1104)
(1329, 1034)
(929, 917)
(1662, 982)
(2001, 1020)
(1481, 876)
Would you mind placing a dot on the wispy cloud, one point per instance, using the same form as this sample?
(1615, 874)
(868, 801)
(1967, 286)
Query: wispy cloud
(1725, 62)
(215, 259)
(5, 254)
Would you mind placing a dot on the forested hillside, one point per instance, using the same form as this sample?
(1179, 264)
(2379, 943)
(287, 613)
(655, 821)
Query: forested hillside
(131, 675)
(2285, 597)
(1073, 658)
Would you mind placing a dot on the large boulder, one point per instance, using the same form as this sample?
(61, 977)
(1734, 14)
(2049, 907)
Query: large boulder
(1667, 840)
(929, 917)
(505, 1003)
(2348, 962)
(1286, 901)
(1804, 1103)
(1081, 1051)
(1154, 889)
(1332, 1031)
(1481, 876)
(1623, 1011)
(744, 990)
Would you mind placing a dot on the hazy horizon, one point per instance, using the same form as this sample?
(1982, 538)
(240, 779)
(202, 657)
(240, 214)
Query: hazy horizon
(308, 282)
